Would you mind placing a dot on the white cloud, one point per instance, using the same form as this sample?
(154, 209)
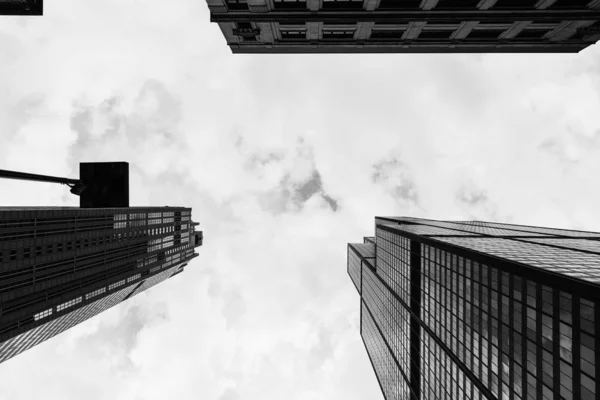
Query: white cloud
(267, 311)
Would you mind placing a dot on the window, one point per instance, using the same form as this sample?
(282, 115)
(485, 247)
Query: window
(116, 284)
(235, 5)
(342, 4)
(68, 304)
(95, 293)
(387, 34)
(13, 255)
(453, 4)
(293, 35)
(487, 34)
(338, 34)
(400, 5)
(26, 252)
(69, 246)
(565, 4)
(435, 34)
(49, 249)
(532, 33)
(515, 4)
(289, 4)
(59, 247)
(43, 314)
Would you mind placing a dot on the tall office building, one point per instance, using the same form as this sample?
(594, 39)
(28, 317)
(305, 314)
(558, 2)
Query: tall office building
(479, 310)
(407, 26)
(62, 265)
(21, 7)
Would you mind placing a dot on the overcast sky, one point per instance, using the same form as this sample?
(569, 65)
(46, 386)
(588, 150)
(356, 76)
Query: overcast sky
(284, 160)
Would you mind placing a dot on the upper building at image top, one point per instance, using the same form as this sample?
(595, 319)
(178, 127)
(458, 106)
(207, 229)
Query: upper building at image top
(407, 26)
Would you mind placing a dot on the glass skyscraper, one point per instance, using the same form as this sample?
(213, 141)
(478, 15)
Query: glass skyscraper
(62, 265)
(479, 310)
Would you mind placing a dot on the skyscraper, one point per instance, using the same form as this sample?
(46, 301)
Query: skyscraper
(479, 310)
(407, 26)
(62, 265)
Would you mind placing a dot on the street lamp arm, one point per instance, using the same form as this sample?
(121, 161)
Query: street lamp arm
(76, 185)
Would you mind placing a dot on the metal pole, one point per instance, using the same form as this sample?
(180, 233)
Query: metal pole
(77, 186)
(33, 177)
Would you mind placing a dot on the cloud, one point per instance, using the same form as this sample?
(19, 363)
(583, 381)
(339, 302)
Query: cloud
(395, 176)
(471, 197)
(230, 394)
(300, 182)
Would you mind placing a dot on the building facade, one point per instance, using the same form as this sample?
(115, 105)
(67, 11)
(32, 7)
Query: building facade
(479, 310)
(21, 7)
(62, 265)
(407, 26)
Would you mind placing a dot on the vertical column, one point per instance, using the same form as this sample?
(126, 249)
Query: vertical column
(514, 30)
(415, 327)
(575, 347)
(371, 5)
(364, 30)
(542, 4)
(464, 29)
(313, 30)
(266, 32)
(414, 30)
(428, 4)
(556, 339)
(314, 5)
(486, 4)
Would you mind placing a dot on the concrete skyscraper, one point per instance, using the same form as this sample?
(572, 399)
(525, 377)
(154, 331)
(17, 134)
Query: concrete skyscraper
(62, 265)
(407, 26)
(479, 310)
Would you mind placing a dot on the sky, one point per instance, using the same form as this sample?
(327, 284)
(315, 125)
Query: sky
(284, 160)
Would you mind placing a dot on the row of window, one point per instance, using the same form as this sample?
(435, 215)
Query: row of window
(32, 337)
(28, 252)
(42, 314)
(386, 5)
(68, 304)
(95, 293)
(433, 34)
(116, 284)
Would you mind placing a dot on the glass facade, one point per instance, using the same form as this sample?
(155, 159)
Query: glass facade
(61, 266)
(485, 315)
